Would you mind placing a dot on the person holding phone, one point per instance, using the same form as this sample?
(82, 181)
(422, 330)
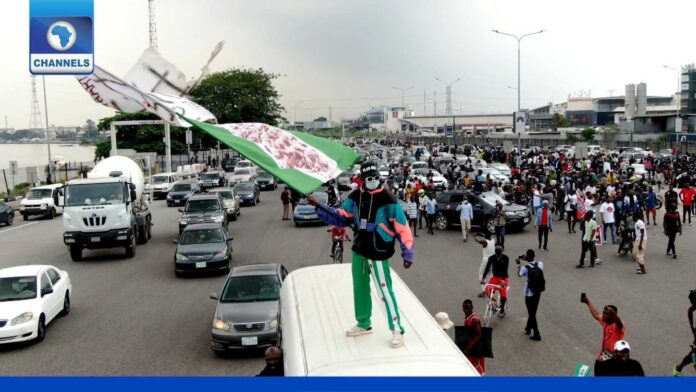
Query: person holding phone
(535, 284)
(613, 328)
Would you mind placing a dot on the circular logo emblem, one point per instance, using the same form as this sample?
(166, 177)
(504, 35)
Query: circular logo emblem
(61, 35)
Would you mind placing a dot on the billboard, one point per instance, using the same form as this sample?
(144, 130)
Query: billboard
(520, 122)
(581, 117)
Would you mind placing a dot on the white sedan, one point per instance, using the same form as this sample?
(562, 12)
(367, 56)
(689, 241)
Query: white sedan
(242, 175)
(31, 296)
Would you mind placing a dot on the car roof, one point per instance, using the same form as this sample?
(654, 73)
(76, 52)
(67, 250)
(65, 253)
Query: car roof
(225, 189)
(200, 226)
(255, 269)
(204, 197)
(23, 270)
(165, 174)
(192, 182)
(51, 186)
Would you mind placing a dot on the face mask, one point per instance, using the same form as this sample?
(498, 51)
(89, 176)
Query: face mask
(372, 185)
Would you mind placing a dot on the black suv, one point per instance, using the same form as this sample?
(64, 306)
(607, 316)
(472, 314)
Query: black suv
(203, 209)
(483, 205)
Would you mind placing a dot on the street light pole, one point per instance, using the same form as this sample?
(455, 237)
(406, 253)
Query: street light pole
(403, 104)
(48, 133)
(678, 119)
(519, 39)
(295, 114)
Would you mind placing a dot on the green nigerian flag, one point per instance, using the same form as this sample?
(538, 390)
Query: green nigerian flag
(302, 161)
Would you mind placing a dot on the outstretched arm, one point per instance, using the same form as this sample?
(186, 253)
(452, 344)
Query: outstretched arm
(340, 217)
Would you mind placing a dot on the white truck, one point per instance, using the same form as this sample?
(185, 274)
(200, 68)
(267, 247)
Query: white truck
(108, 209)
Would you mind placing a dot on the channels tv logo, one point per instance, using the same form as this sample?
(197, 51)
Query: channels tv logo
(61, 44)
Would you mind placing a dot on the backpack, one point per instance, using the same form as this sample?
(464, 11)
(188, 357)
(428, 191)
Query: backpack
(535, 279)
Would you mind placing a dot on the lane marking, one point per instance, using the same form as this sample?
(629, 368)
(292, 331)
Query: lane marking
(18, 227)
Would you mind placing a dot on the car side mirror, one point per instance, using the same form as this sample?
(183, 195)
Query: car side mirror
(133, 195)
(56, 200)
(230, 239)
(46, 290)
(180, 210)
(214, 296)
(175, 242)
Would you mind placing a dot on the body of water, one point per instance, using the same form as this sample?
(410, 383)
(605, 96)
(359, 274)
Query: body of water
(28, 155)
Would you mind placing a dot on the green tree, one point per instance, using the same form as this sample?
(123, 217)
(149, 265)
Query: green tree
(559, 121)
(240, 95)
(571, 138)
(588, 134)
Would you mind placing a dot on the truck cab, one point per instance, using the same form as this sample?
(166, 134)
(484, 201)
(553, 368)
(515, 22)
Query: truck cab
(43, 200)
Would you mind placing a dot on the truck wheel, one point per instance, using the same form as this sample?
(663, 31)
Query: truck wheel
(53, 213)
(149, 229)
(75, 252)
(25, 217)
(130, 250)
(142, 234)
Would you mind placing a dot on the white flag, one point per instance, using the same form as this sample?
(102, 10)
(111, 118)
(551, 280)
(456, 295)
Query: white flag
(152, 73)
(111, 91)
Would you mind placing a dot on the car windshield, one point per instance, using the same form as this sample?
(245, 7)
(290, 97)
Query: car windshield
(17, 288)
(253, 288)
(241, 172)
(243, 187)
(182, 187)
(210, 176)
(202, 206)
(39, 193)
(322, 197)
(492, 198)
(264, 175)
(159, 179)
(225, 194)
(94, 194)
(202, 236)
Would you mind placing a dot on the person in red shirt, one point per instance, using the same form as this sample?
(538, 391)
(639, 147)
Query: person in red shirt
(687, 197)
(337, 234)
(472, 324)
(613, 328)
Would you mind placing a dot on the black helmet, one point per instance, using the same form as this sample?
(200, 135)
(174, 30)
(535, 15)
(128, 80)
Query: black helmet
(369, 169)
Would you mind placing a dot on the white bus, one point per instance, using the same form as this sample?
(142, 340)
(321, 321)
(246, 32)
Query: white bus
(316, 308)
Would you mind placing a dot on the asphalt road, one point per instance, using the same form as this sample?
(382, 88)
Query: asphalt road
(134, 317)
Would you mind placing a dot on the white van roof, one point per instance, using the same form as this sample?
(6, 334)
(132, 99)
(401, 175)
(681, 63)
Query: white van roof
(50, 186)
(316, 310)
(165, 174)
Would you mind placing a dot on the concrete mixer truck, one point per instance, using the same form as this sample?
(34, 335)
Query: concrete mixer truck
(107, 209)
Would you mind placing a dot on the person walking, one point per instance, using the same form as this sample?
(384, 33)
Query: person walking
(671, 197)
(606, 211)
(472, 325)
(650, 206)
(285, 199)
(620, 365)
(613, 328)
(499, 221)
(671, 223)
(686, 195)
(571, 207)
(544, 224)
(412, 212)
(376, 218)
(430, 210)
(639, 243)
(466, 214)
(588, 240)
(534, 285)
(422, 214)
(488, 251)
(274, 363)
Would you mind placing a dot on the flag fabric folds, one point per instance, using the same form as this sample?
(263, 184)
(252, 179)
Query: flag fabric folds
(582, 209)
(302, 161)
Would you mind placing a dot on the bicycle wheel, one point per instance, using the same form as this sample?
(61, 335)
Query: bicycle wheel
(488, 313)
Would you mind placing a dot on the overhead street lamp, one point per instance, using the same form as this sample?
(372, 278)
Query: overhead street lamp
(403, 104)
(519, 39)
(448, 108)
(677, 121)
(294, 120)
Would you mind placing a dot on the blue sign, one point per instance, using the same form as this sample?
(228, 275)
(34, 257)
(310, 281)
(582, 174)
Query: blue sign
(682, 137)
(449, 130)
(61, 37)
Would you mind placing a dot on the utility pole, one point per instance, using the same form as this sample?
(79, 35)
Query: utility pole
(330, 115)
(403, 102)
(448, 107)
(434, 102)
(48, 134)
(424, 101)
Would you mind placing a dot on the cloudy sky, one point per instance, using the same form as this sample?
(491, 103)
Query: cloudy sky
(349, 54)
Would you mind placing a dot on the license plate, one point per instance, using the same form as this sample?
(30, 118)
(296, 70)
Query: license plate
(96, 239)
(201, 264)
(250, 341)
(177, 201)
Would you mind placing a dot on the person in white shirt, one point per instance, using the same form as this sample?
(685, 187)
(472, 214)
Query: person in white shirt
(639, 243)
(466, 214)
(536, 199)
(606, 211)
(488, 251)
(571, 205)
